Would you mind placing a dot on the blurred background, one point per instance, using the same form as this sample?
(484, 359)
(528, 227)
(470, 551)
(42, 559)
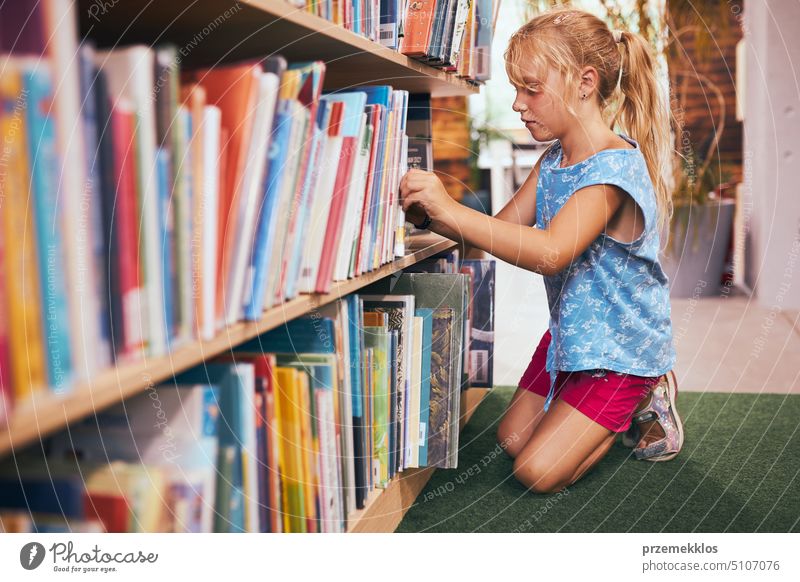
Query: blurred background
(734, 243)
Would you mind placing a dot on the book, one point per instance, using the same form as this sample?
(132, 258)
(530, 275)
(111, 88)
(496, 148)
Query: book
(481, 363)
(130, 75)
(439, 290)
(378, 340)
(441, 392)
(426, 360)
(400, 312)
(25, 328)
(42, 152)
(237, 420)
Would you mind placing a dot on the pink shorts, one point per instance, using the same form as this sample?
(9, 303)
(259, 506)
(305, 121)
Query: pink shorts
(608, 398)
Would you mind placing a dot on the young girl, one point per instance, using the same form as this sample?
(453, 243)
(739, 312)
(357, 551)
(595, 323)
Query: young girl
(598, 200)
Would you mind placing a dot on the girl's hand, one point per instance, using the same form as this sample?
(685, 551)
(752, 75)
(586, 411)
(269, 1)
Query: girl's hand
(423, 193)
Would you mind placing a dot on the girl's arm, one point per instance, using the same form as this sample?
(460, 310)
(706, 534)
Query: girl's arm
(545, 251)
(521, 209)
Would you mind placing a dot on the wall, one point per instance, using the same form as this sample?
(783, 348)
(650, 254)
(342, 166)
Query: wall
(772, 151)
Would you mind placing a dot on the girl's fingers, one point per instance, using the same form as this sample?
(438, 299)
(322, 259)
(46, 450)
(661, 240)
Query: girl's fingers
(410, 200)
(415, 184)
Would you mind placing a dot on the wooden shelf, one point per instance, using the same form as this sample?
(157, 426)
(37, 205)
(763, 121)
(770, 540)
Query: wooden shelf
(46, 412)
(208, 32)
(384, 509)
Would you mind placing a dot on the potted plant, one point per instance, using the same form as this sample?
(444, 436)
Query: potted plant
(700, 230)
(696, 243)
(703, 212)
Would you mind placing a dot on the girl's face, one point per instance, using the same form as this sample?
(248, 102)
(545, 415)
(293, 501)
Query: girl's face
(540, 106)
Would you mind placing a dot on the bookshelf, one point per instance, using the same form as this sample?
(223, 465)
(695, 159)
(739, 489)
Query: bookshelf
(228, 32)
(260, 27)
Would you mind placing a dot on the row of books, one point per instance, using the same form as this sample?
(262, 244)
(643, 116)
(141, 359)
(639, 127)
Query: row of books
(455, 35)
(147, 206)
(288, 433)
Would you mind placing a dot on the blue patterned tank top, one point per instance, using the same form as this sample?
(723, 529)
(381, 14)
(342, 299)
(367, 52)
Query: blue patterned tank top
(610, 307)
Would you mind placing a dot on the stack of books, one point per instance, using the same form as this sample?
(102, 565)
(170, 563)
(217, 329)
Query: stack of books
(455, 35)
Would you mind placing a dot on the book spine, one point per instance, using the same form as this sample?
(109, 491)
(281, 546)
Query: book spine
(94, 184)
(25, 330)
(125, 221)
(209, 216)
(73, 197)
(166, 236)
(265, 232)
(51, 256)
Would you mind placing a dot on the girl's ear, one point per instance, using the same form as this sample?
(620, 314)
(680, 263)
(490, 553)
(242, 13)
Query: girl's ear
(590, 80)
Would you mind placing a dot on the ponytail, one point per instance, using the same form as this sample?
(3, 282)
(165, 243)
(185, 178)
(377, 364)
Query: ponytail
(643, 115)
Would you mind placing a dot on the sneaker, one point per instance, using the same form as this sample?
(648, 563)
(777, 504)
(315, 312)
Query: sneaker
(662, 409)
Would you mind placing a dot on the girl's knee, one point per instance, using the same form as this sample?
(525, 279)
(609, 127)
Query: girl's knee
(540, 477)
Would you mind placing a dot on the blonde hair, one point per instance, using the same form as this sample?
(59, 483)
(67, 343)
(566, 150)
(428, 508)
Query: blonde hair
(568, 40)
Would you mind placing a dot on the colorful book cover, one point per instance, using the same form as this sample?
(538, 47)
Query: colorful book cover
(400, 311)
(287, 398)
(244, 211)
(322, 371)
(377, 339)
(234, 89)
(310, 180)
(395, 415)
(268, 213)
(310, 80)
(350, 129)
(417, 29)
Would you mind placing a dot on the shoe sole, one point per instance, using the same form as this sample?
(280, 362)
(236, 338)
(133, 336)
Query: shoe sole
(672, 392)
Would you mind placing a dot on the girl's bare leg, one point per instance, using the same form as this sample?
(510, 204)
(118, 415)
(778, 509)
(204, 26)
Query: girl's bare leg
(564, 445)
(522, 416)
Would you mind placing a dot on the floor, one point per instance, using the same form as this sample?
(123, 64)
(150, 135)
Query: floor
(738, 472)
(724, 344)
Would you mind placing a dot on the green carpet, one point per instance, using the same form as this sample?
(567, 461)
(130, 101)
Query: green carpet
(738, 472)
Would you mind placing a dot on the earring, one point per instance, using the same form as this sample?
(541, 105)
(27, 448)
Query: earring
(583, 97)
